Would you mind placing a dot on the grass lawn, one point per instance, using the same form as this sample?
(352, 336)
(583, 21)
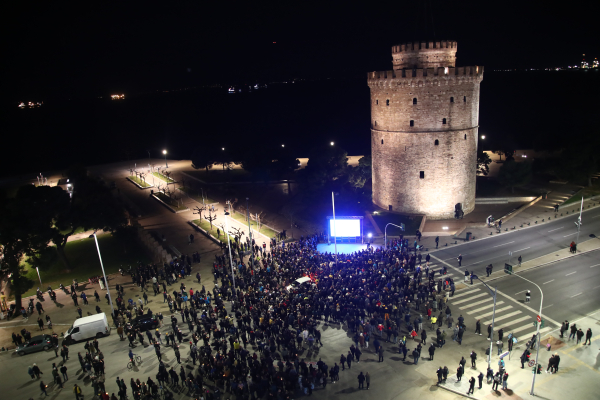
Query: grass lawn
(163, 177)
(264, 230)
(197, 196)
(204, 224)
(170, 201)
(384, 217)
(586, 192)
(83, 257)
(139, 181)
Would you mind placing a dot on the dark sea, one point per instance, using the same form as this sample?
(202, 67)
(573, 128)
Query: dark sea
(532, 109)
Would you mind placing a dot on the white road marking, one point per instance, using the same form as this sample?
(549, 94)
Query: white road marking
(516, 251)
(504, 244)
(480, 309)
(548, 282)
(571, 234)
(596, 216)
(498, 310)
(575, 295)
(476, 303)
(470, 298)
(521, 292)
(548, 306)
(461, 294)
(592, 266)
(527, 337)
(516, 321)
(502, 317)
(574, 272)
(556, 229)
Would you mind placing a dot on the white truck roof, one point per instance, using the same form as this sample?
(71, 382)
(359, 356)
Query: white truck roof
(89, 319)
(303, 279)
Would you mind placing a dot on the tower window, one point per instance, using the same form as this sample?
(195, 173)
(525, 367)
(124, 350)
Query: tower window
(387, 102)
(377, 102)
(375, 123)
(451, 99)
(381, 141)
(465, 136)
(412, 123)
(465, 99)
(422, 174)
(437, 142)
(444, 121)
(415, 100)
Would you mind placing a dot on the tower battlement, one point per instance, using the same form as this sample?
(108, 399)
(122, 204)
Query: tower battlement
(429, 75)
(424, 54)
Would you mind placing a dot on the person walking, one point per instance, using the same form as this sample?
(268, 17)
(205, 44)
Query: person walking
(361, 381)
(573, 331)
(471, 385)
(37, 371)
(415, 355)
(459, 258)
(431, 351)
(43, 387)
(440, 373)
(588, 337)
(77, 391)
(368, 380)
(380, 353)
(480, 378)
(478, 327)
(563, 328)
(63, 371)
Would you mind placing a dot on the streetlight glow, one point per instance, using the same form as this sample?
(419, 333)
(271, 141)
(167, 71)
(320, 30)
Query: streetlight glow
(332, 143)
(165, 153)
(483, 136)
(283, 145)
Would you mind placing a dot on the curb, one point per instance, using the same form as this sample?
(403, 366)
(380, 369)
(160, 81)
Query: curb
(168, 206)
(138, 185)
(459, 393)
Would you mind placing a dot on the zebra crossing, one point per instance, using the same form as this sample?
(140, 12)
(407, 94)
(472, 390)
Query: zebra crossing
(478, 303)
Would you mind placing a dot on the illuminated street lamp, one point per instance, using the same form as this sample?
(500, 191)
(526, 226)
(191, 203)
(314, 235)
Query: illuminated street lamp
(482, 136)
(165, 153)
(332, 143)
(283, 145)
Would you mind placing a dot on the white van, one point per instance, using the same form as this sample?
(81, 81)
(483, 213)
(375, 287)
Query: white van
(88, 327)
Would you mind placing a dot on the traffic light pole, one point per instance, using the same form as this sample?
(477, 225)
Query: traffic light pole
(537, 333)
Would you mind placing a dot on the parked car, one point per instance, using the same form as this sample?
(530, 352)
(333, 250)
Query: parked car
(37, 343)
(145, 322)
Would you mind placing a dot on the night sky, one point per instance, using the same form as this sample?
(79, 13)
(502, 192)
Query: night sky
(79, 49)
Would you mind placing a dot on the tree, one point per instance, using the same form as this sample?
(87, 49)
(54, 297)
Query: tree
(326, 165)
(203, 158)
(359, 175)
(483, 163)
(579, 161)
(515, 174)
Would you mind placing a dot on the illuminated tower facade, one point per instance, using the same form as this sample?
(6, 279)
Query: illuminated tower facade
(424, 130)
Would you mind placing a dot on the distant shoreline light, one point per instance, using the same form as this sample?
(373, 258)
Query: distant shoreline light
(117, 96)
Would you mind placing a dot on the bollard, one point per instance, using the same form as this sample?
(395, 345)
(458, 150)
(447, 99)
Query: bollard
(446, 245)
(536, 222)
(521, 226)
(506, 230)
(529, 223)
(542, 220)
(491, 233)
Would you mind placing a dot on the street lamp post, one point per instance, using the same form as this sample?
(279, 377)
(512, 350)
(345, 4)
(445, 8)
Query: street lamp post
(229, 245)
(165, 153)
(385, 232)
(39, 277)
(250, 232)
(103, 273)
(537, 332)
(334, 226)
(493, 293)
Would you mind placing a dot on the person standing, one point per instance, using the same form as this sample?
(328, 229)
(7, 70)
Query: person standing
(489, 332)
(497, 380)
(440, 373)
(459, 258)
(431, 352)
(504, 381)
(473, 359)
(564, 327)
(63, 371)
(368, 380)
(480, 378)
(573, 331)
(437, 241)
(361, 381)
(380, 353)
(415, 355)
(478, 327)
(579, 335)
(471, 385)
(459, 373)
(588, 337)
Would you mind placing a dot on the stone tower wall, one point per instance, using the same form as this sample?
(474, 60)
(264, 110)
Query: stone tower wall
(430, 166)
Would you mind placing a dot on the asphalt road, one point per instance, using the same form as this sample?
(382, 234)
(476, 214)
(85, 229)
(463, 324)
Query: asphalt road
(571, 287)
(529, 243)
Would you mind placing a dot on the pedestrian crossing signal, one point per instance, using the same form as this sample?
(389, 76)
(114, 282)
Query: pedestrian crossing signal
(508, 269)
